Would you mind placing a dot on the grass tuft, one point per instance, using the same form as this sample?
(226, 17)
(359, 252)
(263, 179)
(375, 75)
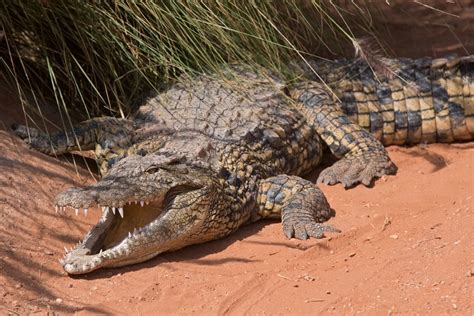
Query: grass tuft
(95, 58)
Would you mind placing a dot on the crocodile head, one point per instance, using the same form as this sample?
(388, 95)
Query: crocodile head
(149, 204)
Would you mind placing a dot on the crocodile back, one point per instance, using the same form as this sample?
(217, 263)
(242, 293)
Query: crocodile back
(420, 100)
(244, 116)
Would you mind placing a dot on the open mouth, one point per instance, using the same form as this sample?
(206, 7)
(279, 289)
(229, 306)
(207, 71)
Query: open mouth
(118, 224)
(120, 227)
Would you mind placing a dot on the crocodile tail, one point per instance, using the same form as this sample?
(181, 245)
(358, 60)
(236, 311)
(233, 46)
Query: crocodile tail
(427, 100)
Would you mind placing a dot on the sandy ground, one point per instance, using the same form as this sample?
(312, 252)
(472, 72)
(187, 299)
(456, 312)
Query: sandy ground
(406, 245)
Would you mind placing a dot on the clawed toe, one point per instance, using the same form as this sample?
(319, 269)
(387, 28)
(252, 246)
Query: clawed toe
(304, 231)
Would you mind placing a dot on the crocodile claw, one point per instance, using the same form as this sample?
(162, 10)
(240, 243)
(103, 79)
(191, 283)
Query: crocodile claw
(360, 169)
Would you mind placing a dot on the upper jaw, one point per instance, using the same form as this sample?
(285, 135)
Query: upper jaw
(134, 179)
(85, 198)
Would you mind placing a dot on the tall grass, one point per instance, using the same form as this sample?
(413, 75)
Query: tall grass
(95, 57)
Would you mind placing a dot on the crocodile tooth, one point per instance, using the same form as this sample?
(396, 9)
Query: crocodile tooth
(120, 209)
(147, 202)
(113, 210)
(100, 251)
(85, 211)
(65, 249)
(142, 203)
(56, 208)
(106, 209)
(136, 202)
(129, 235)
(77, 211)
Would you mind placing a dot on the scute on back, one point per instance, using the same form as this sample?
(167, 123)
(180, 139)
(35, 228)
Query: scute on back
(243, 107)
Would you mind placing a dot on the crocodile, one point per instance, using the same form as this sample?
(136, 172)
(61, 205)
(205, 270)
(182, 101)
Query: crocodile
(212, 153)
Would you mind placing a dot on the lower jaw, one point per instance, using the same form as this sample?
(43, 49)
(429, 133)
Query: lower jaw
(79, 262)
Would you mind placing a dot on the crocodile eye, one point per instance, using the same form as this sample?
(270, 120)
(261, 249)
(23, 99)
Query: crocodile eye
(152, 169)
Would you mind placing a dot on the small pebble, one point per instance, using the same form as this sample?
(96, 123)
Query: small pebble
(352, 254)
(17, 286)
(309, 278)
(59, 301)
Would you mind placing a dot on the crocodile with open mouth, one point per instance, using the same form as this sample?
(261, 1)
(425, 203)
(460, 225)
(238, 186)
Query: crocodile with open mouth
(211, 153)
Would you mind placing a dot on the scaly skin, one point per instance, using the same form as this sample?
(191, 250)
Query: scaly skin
(209, 155)
(425, 100)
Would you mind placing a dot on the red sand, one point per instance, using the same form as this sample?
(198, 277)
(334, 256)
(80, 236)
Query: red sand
(406, 246)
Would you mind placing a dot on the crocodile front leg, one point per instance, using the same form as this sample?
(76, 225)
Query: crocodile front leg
(300, 204)
(109, 136)
(83, 136)
(363, 157)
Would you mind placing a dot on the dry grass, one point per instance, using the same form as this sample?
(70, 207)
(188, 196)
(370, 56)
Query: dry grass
(94, 59)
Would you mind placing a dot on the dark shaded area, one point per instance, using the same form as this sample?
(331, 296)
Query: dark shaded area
(24, 232)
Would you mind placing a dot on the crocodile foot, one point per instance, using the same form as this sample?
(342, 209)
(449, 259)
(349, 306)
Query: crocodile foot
(357, 169)
(303, 229)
